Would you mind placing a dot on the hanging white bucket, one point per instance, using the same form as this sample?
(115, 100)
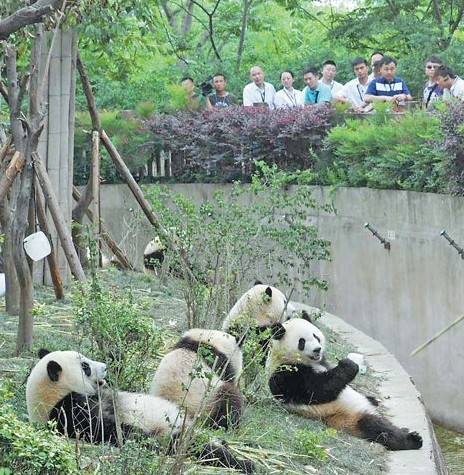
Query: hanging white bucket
(37, 246)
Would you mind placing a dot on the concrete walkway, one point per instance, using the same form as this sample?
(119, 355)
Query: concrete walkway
(399, 396)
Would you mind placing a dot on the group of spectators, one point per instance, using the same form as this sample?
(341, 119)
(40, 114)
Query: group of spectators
(380, 85)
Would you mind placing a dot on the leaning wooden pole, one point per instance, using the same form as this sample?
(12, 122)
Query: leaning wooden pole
(57, 216)
(51, 258)
(125, 172)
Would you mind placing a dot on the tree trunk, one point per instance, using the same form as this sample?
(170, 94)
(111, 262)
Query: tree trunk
(241, 45)
(18, 230)
(11, 281)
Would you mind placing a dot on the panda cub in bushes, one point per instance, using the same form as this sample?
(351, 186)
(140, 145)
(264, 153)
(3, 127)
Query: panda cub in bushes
(68, 388)
(256, 311)
(200, 374)
(303, 381)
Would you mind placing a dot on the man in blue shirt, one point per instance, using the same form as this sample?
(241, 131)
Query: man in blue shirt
(388, 87)
(316, 92)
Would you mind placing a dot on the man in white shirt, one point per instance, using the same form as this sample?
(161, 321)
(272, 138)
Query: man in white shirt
(258, 93)
(452, 85)
(356, 88)
(329, 70)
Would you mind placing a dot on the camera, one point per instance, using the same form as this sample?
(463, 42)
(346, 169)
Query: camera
(206, 86)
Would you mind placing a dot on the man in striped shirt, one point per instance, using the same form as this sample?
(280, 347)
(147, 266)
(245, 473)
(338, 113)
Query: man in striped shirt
(388, 87)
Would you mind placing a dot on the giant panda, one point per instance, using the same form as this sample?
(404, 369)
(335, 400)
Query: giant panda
(256, 311)
(200, 373)
(69, 389)
(301, 379)
(153, 256)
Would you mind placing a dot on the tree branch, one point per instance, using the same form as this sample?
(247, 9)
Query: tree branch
(26, 16)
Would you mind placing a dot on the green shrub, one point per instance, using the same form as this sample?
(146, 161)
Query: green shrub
(125, 337)
(452, 125)
(385, 151)
(27, 449)
(311, 443)
(235, 237)
(128, 135)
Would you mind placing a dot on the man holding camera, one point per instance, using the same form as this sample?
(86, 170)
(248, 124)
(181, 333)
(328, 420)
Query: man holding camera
(220, 97)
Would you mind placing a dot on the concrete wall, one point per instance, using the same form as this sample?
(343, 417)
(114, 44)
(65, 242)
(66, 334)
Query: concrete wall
(401, 297)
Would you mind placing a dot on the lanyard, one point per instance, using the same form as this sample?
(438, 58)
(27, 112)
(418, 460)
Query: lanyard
(291, 97)
(220, 100)
(263, 94)
(360, 92)
(432, 89)
(314, 95)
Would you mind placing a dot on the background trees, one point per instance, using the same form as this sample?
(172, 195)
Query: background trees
(141, 49)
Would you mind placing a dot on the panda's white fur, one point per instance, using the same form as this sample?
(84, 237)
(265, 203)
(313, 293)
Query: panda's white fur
(260, 306)
(68, 388)
(305, 383)
(64, 382)
(201, 374)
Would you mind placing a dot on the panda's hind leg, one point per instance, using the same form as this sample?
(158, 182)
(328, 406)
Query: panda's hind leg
(377, 428)
(226, 406)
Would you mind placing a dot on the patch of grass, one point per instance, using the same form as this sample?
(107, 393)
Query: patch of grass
(278, 441)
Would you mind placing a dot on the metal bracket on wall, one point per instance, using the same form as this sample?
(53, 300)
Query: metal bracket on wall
(453, 243)
(386, 244)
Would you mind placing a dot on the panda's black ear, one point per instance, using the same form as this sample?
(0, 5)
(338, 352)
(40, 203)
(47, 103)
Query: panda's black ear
(268, 292)
(54, 370)
(305, 316)
(257, 282)
(277, 331)
(42, 352)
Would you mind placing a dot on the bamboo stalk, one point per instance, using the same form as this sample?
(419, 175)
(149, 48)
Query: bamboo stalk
(438, 335)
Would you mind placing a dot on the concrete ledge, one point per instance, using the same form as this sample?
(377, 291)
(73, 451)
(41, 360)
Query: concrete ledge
(399, 396)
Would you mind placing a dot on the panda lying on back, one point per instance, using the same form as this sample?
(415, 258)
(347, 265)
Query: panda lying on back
(303, 381)
(68, 388)
(201, 374)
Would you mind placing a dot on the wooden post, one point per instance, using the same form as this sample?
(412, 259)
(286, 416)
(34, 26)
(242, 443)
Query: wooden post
(96, 189)
(115, 249)
(137, 192)
(60, 224)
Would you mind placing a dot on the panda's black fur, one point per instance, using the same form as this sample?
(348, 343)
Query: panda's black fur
(305, 383)
(68, 388)
(153, 255)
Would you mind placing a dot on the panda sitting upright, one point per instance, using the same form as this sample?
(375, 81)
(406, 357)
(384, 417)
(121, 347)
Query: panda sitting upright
(68, 388)
(256, 311)
(303, 381)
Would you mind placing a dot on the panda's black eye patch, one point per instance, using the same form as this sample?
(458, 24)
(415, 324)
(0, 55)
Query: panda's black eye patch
(301, 344)
(86, 368)
(316, 337)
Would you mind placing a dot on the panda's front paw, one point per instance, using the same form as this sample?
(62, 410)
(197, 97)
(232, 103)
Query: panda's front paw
(349, 367)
